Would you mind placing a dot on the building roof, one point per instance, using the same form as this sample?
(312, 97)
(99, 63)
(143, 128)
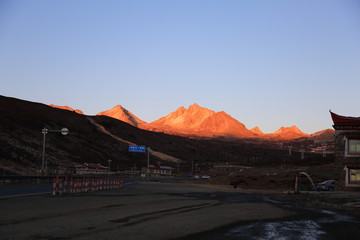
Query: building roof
(345, 123)
(159, 167)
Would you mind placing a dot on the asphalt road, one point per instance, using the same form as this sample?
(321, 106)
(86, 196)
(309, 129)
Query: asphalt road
(152, 210)
(18, 190)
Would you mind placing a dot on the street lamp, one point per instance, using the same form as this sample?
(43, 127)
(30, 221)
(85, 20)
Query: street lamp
(64, 131)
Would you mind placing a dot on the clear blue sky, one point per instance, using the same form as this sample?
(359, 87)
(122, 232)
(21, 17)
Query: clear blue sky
(266, 63)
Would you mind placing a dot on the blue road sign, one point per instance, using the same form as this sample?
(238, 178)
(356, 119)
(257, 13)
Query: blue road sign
(135, 148)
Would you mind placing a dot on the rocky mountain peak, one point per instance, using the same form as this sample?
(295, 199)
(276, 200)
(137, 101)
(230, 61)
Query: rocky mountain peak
(122, 114)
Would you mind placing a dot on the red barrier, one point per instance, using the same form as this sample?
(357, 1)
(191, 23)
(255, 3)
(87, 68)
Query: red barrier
(71, 185)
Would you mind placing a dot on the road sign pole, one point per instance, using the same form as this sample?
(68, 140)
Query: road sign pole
(148, 161)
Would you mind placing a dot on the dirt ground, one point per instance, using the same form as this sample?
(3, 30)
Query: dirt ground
(280, 181)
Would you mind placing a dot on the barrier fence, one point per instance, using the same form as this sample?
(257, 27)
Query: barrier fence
(65, 185)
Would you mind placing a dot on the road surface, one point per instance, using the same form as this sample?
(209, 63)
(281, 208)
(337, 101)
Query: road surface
(150, 210)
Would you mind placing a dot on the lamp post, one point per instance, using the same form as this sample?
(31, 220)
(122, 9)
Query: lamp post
(63, 131)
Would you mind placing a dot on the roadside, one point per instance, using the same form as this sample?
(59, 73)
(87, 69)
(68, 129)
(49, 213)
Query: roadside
(345, 202)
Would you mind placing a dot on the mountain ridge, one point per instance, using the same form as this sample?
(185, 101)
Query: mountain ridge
(200, 122)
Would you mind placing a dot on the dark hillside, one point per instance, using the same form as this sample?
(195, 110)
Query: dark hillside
(21, 136)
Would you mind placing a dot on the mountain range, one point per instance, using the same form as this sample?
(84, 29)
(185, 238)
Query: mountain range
(197, 121)
(96, 139)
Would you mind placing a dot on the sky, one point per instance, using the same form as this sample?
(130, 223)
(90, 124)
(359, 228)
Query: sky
(266, 63)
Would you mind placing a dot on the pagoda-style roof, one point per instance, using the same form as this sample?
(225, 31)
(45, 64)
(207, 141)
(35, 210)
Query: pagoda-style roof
(345, 123)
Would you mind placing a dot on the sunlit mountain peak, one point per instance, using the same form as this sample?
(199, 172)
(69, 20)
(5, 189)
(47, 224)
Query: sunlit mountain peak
(121, 113)
(67, 108)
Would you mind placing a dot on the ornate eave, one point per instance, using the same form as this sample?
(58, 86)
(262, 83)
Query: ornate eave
(345, 123)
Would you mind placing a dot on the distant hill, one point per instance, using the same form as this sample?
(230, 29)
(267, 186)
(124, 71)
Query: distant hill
(287, 133)
(67, 108)
(324, 135)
